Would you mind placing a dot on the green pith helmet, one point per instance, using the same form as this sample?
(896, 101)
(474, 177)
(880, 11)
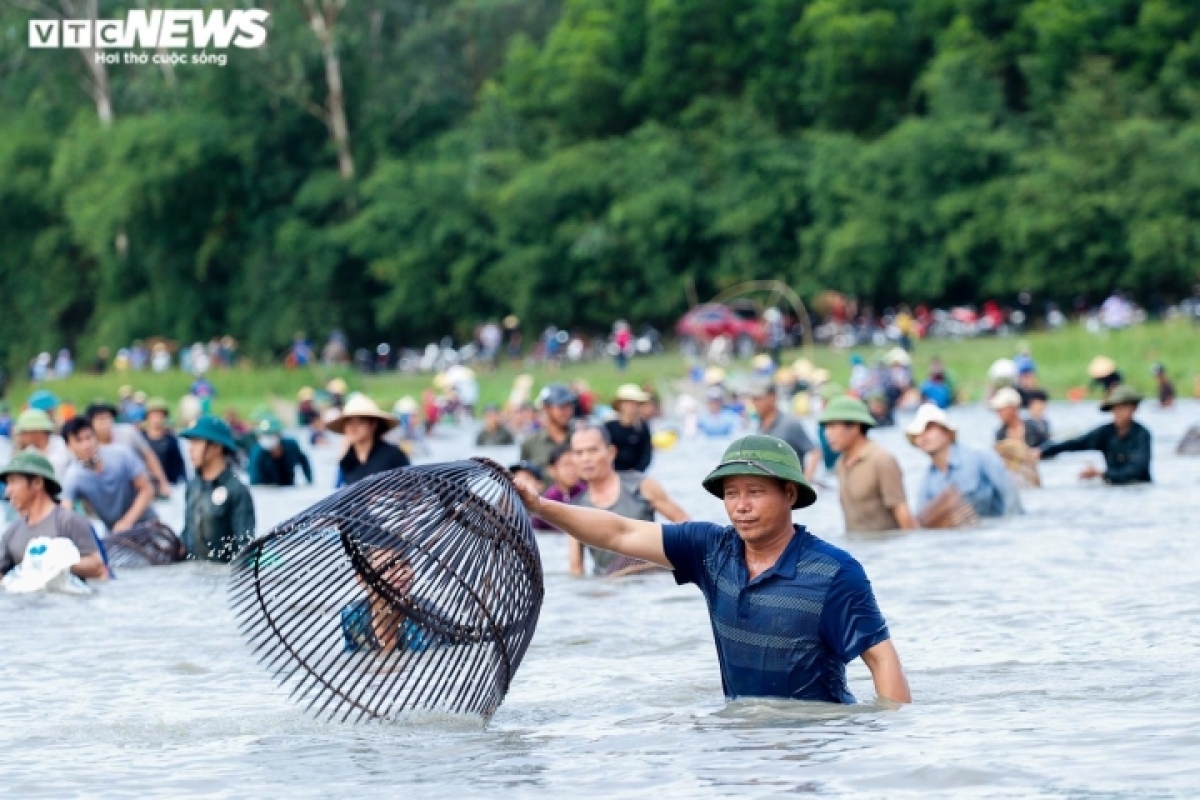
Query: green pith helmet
(158, 404)
(847, 409)
(762, 455)
(1121, 395)
(268, 424)
(33, 421)
(33, 465)
(212, 429)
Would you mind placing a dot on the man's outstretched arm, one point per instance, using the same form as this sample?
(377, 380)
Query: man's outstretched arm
(603, 529)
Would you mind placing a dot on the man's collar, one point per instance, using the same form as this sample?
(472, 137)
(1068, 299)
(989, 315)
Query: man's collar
(352, 453)
(863, 452)
(953, 461)
(956, 458)
(604, 482)
(785, 566)
(220, 476)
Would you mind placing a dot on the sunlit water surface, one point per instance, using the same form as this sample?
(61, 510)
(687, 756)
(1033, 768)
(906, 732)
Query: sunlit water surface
(1051, 653)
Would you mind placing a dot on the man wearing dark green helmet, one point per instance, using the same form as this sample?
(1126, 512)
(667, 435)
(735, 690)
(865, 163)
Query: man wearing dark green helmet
(788, 610)
(870, 484)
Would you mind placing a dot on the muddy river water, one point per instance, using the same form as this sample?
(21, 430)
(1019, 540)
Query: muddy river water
(1052, 653)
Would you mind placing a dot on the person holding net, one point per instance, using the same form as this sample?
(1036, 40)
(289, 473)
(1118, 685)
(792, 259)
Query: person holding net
(788, 610)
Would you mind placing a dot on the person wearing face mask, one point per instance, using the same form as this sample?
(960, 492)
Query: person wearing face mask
(274, 457)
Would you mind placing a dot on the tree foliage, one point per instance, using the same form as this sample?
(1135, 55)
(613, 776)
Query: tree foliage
(573, 161)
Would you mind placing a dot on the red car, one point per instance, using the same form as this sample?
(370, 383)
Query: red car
(704, 323)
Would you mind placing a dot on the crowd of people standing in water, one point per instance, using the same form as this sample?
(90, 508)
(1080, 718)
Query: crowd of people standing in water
(585, 468)
(100, 473)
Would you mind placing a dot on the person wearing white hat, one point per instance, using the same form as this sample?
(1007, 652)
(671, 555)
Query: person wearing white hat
(897, 357)
(363, 424)
(1007, 404)
(629, 433)
(979, 475)
(1002, 372)
(1104, 373)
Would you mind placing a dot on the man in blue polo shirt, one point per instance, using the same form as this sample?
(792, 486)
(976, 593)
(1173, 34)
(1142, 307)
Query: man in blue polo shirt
(788, 610)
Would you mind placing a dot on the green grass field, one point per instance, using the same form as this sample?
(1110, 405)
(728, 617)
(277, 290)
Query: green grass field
(1062, 359)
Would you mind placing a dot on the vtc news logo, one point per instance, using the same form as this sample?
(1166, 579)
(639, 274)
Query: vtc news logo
(154, 29)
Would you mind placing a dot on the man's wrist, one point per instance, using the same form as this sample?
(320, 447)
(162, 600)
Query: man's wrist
(538, 506)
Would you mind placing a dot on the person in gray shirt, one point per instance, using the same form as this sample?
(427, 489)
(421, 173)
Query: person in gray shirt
(773, 422)
(111, 479)
(32, 488)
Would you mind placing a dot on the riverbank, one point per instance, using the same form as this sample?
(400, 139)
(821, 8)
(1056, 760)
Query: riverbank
(1061, 357)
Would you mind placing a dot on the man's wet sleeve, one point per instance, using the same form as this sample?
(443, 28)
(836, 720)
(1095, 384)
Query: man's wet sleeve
(1092, 440)
(686, 545)
(132, 464)
(6, 563)
(305, 466)
(243, 520)
(798, 439)
(851, 622)
(79, 531)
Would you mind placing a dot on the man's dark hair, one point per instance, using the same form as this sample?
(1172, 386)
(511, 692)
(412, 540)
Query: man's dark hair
(558, 452)
(99, 408)
(73, 426)
(581, 425)
(862, 428)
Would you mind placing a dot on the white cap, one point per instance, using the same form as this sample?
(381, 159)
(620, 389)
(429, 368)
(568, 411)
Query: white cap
(929, 414)
(1007, 397)
(1002, 370)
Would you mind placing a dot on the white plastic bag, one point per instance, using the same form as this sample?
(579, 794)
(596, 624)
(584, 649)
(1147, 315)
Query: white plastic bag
(46, 568)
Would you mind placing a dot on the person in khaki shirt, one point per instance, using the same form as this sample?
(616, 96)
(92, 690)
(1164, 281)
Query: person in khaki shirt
(870, 481)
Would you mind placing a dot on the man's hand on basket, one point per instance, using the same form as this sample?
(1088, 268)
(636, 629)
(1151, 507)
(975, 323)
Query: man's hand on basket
(528, 492)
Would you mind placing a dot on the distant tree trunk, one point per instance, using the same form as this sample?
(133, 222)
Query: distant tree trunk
(322, 17)
(97, 86)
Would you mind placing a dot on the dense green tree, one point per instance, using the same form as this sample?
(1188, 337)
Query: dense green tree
(409, 168)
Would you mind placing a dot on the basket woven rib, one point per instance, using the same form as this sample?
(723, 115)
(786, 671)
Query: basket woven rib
(1015, 455)
(148, 544)
(414, 590)
(948, 510)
